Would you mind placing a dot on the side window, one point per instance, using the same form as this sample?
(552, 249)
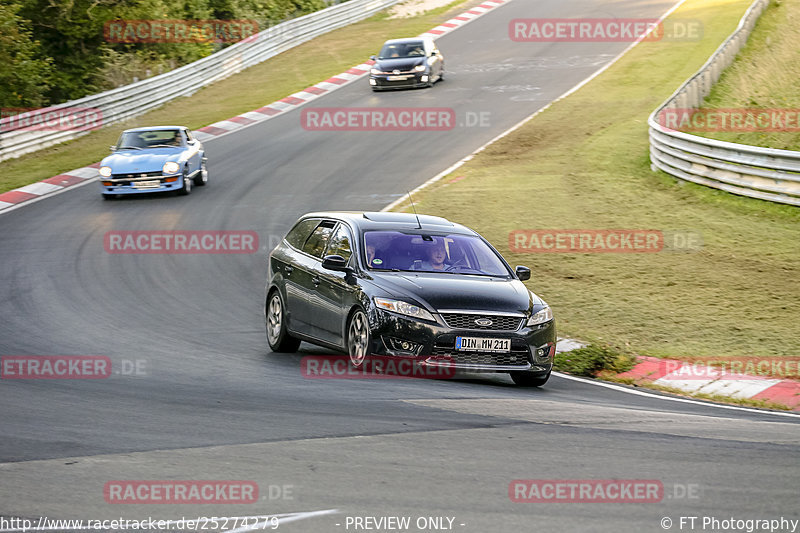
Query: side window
(316, 243)
(300, 232)
(339, 243)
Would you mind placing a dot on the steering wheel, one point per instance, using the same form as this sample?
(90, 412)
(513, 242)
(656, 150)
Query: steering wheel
(455, 265)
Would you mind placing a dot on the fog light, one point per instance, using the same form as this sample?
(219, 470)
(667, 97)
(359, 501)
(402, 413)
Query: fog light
(402, 346)
(424, 78)
(539, 353)
(372, 81)
(107, 183)
(170, 180)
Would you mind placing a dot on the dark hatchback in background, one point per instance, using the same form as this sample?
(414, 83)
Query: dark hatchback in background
(407, 63)
(396, 284)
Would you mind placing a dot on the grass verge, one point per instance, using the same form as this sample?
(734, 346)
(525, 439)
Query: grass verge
(280, 76)
(764, 76)
(584, 163)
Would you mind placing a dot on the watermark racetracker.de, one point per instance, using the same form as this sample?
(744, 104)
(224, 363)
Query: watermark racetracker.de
(390, 119)
(50, 119)
(603, 241)
(599, 491)
(377, 367)
(603, 30)
(69, 367)
(180, 492)
(179, 31)
(732, 120)
(731, 368)
(180, 242)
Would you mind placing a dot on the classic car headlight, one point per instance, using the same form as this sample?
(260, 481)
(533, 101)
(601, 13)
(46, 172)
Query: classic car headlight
(404, 308)
(374, 71)
(105, 172)
(544, 315)
(420, 68)
(171, 167)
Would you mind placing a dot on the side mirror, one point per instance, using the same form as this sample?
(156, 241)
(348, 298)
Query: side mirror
(113, 147)
(523, 273)
(374, 58)
(435, 52)
(335, 262)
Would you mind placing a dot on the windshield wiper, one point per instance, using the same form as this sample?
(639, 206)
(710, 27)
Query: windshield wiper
(127, 147)
(163, 146)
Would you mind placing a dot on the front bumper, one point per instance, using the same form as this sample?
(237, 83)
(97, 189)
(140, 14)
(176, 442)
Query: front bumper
(141, 184)
(391, 81)
(532, 348)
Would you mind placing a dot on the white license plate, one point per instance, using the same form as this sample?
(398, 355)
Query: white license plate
(482, 344)
(397, 78)
(149, 184)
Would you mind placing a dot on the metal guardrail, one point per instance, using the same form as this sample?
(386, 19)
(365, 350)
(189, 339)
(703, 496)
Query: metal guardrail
(134, 99)
(765, 173)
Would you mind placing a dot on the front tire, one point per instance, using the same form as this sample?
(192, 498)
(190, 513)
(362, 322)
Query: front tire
(529, 379)
(277, 336)
(187, 184)
(202, 177)
(358, 338)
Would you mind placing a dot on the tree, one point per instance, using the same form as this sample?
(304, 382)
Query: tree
(24, 71)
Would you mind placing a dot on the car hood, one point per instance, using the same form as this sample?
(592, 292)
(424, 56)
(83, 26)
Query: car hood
(401, 63)
(141, 161)
(457, 291)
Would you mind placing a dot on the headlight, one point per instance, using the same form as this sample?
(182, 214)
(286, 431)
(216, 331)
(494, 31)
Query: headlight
(374, 71)
(171, 167)
(105, 172)
(544, 315)
(420, 68)
(404, 308)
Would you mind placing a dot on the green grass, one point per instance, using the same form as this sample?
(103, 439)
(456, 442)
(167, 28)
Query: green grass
(286, 73)
(584, 163)
(764, 75)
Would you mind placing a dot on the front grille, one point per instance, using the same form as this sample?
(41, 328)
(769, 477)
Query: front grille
(136, 175)
(467, 321)
(513, 358)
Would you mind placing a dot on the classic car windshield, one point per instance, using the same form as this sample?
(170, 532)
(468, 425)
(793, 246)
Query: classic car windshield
(454, 254)
(150, 139)
(400, 50)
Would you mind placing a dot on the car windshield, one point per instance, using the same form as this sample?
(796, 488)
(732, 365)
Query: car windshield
(398, 50)
(150, 139)
(413, 252)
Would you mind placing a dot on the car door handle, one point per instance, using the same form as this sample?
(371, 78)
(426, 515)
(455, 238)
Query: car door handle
(315, 280)
(288, 269)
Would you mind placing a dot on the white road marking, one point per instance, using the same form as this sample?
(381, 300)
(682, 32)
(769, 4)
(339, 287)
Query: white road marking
(673, 399)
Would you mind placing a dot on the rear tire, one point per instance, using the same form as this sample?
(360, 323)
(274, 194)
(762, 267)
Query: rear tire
(277, 336)
(529, 379)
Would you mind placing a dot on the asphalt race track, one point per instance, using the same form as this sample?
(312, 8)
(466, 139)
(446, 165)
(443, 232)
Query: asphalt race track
(210, 402)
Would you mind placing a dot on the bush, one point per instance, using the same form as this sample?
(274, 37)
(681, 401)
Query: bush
(592, 359)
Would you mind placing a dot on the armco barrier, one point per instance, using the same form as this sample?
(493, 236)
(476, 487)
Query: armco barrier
(765, 173)
(134, 99)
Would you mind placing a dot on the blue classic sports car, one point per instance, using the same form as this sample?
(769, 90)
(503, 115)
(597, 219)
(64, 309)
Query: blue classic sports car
(155, 159)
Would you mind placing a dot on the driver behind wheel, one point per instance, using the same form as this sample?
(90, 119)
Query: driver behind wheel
(436, 257)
